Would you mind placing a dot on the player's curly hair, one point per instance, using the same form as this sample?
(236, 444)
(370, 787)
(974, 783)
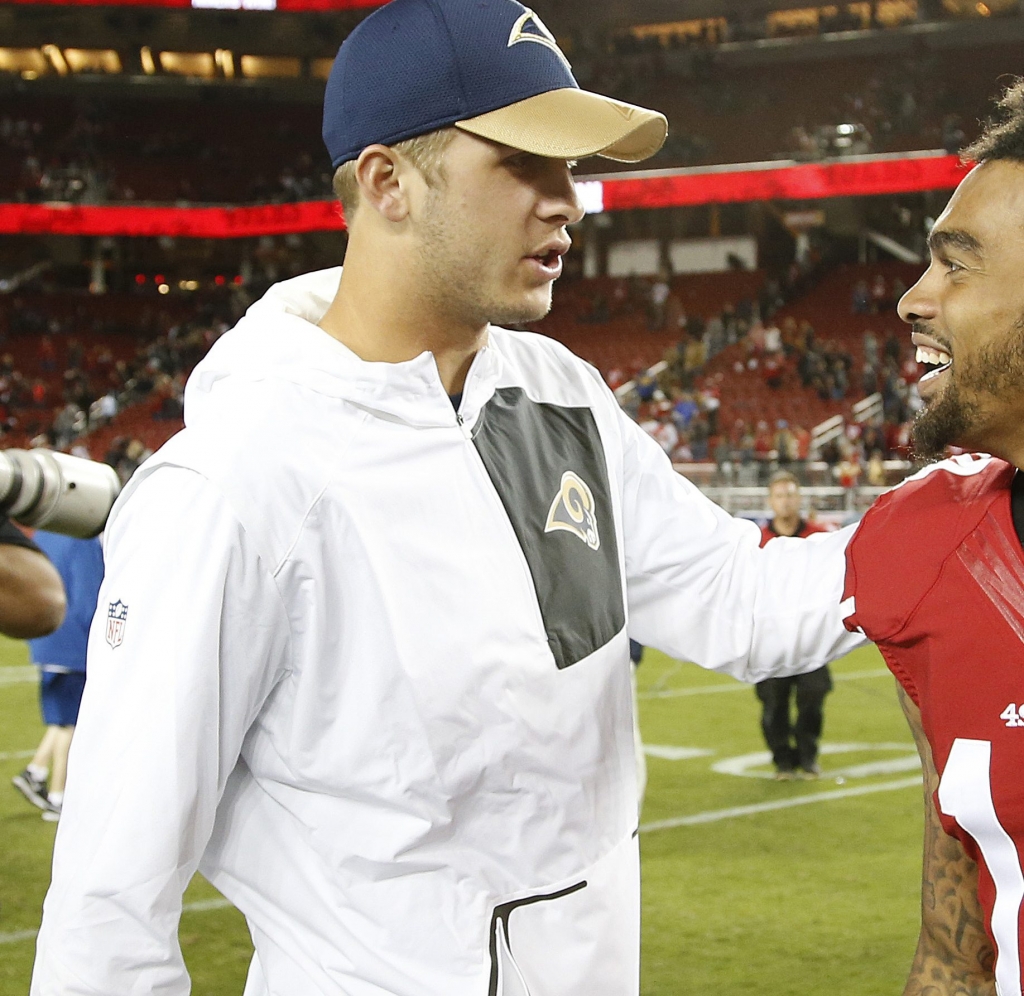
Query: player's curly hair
(425, 152)
(1003, 136)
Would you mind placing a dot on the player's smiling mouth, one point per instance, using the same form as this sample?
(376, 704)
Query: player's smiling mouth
(935, 356)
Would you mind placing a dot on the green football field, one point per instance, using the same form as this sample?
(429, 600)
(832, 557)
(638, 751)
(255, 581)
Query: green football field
(751, 886)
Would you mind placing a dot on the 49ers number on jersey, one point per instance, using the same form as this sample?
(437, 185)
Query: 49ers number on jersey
(1011, 716)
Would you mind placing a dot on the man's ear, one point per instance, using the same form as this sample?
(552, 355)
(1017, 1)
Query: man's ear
(379, 173)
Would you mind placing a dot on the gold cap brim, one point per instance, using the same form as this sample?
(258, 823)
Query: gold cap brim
(571, 124)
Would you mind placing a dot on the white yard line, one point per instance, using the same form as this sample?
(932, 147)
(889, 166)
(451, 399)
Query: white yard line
(18, 935)
(200, 906)
(714, 815)
(18, 675)
(739, 686)
(15, 755)
(205, 905)
(24, 675)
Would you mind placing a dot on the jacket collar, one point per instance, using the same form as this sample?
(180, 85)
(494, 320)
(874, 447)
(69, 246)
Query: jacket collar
(278, 339)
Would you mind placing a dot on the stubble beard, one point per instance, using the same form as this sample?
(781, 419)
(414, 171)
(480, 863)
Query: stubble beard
(954, 418)
(457, 272)
(942, 423)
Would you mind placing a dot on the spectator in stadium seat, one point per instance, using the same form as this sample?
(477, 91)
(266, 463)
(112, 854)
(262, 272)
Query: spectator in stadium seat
(868, 379)
(794, 744)
(874, 472)
(646, 386)
(368, 615)
(870, 348)
(879, 294)
(860, 302)
(658, 302)
(699, 439)
(847, 472)
(684, 409)
(893, 348)
(785, 443)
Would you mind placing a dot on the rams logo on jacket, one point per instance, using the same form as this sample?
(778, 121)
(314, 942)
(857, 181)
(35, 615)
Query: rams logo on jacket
(573, 510)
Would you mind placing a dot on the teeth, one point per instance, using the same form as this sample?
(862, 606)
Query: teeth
(933, 356)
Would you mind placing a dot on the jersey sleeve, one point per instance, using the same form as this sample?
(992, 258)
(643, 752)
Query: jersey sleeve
(189, 639)
(701, 588)
(906, 537)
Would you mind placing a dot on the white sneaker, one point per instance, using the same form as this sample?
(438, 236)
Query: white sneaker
(52, 813)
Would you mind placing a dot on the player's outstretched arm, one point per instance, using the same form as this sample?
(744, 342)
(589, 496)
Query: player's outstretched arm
(954, 955)
(701, 589)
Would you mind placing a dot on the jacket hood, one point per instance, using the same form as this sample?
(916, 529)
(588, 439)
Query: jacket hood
(278, 340)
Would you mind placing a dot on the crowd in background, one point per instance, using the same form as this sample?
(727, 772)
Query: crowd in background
(680, 405)
(80, 385)
(116, 150)
(80, 388)
(80, 164)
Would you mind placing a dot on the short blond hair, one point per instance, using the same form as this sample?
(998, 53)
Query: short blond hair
(783, 477)
(425, 152)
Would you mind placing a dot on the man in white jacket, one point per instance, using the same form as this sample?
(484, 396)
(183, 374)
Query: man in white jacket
(361, 653)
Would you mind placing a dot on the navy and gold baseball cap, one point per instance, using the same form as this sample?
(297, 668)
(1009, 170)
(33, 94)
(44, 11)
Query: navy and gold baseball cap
(489, 67)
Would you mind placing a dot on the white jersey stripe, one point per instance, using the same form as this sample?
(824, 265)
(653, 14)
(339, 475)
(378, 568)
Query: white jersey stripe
(965, 793)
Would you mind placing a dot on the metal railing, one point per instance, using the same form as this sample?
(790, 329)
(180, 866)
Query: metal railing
(755, 474)
(867, 409)
(753, 502)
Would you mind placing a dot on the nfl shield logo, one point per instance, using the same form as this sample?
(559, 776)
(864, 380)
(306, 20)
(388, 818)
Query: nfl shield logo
(117, 615)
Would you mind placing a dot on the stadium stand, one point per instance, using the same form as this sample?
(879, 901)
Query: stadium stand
(762, 355)
(130, 147)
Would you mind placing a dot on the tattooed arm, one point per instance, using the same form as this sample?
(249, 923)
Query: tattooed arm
(954, 955)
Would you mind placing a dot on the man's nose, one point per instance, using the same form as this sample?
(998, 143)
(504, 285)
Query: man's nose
(562, 204)
(919, 304)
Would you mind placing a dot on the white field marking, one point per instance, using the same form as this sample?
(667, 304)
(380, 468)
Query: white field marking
(669, 753)
(714, 815)
(18, 935)
(15, 755)
(200, 906)
(910, 761)
(740, 686)
(205, 905)
(18, 675)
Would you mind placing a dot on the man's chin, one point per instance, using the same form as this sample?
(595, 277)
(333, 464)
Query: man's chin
(523, 312)
(946, 421)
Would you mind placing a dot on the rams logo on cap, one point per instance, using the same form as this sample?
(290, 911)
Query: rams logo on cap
(573, 510)
(530, 28)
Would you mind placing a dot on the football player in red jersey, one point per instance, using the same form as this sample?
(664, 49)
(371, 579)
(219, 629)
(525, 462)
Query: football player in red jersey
(780, 733)
(936, 575)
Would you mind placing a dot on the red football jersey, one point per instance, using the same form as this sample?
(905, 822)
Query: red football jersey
(805, 529)
(935, 577)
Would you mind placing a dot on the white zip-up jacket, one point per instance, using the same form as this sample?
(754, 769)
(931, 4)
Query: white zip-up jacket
(363, 661)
